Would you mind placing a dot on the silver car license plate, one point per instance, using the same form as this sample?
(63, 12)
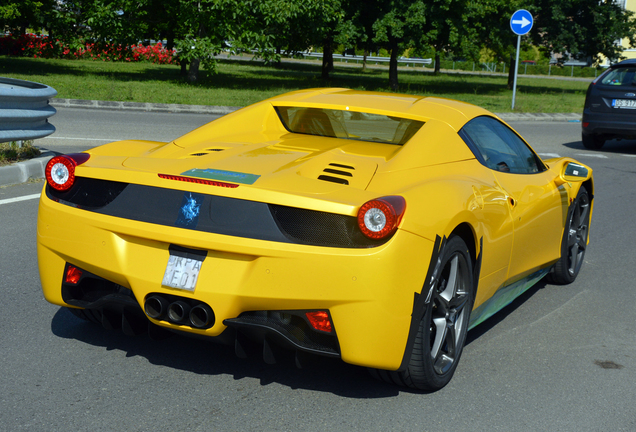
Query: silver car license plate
(624, 103)
(182, 273)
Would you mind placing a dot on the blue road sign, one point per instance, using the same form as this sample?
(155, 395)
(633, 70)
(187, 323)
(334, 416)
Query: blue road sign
(521, 22)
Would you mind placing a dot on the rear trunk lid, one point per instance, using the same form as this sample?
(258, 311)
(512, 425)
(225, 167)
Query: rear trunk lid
(307, 164)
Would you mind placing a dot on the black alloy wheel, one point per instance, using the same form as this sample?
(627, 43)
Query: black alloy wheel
(442, 330)
(574, 242)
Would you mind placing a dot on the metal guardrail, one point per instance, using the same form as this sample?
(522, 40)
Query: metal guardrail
(371, 59)
(24, 110)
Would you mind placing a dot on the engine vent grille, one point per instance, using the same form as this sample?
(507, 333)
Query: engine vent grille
(337, 173)
(205, 152)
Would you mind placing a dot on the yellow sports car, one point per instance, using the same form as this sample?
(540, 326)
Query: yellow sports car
(375, 228)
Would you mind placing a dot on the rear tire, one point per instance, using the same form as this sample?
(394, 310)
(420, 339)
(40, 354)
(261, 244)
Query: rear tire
(592, 141)
(574, 241)
(442, 330)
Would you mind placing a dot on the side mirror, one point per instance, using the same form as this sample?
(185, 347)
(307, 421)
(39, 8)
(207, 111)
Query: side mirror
(572, 172)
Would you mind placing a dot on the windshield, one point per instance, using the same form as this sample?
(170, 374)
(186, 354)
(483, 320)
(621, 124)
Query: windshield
(348, 124)
(622, 76)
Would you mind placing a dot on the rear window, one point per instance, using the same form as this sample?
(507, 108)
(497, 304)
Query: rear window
(623, 76)
(350, 125)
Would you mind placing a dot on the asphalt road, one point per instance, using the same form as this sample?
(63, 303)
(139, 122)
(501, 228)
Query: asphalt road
(559, 358)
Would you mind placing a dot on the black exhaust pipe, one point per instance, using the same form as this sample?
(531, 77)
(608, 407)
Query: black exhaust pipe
(202, 316)
(178, 311)
(156, 307)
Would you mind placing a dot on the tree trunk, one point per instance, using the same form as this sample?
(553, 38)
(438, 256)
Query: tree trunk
(364, 61)
(393, 66)
(193, 72)
(438, 64)
(327, 60)
(511, 73)
(170, 40)
(184, 68)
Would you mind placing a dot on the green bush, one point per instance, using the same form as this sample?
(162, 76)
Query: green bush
(12, 152)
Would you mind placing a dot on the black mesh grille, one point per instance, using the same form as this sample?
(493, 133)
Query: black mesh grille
(320, 228)
(291, 326)
(88, 193)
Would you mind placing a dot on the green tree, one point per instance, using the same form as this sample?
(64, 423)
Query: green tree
(395, 28)
(120, 22)
(454, 32)
(18, 16)
(585, 29)
(491, 27)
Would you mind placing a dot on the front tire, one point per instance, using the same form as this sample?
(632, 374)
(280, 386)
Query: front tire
(442, 330)
(574, 241)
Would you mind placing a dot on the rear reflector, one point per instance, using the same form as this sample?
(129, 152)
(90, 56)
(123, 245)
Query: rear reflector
(73, 275)
(320, 321)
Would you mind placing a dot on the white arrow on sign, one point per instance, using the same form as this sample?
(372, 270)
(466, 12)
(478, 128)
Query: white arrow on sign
(523, 21)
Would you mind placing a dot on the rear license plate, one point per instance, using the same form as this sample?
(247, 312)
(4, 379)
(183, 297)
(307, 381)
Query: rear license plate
(182, 273)
(624, 103)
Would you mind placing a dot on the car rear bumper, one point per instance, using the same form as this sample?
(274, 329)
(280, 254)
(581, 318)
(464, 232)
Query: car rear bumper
(370, 305)
(609, 124)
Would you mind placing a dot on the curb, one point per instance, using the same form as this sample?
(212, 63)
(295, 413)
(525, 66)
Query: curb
(141, 106)
(222, 110)
(21, 172)
(540, 117)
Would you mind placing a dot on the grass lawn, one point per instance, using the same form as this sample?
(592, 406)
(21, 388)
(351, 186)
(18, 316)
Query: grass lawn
(242, 82)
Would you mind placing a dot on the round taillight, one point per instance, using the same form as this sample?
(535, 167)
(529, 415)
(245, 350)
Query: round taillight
(380, 217)
(60, 171)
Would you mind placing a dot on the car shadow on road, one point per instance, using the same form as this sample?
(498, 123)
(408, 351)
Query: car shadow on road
(621, 147)
(203, 357)
(206, 358)
(501, 315)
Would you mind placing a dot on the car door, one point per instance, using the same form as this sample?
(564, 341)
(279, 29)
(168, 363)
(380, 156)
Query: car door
(533, 199)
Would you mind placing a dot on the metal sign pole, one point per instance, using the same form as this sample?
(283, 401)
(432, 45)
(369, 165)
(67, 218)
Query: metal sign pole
(520, 24)
(514, 85)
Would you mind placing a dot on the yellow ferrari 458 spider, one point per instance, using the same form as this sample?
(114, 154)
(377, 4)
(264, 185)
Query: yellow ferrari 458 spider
(375, 228)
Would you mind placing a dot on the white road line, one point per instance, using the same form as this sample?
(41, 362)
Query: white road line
(599, 156)
(83, 139)
(549, 155)
(17, 199)
(626, 155)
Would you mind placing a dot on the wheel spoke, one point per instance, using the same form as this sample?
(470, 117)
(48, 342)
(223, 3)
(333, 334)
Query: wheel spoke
(443, 363)
(451, 286)
(574, 257)
(440, 336)
(576, 217)
(585, 211)
(459, 302)
(581, 244)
